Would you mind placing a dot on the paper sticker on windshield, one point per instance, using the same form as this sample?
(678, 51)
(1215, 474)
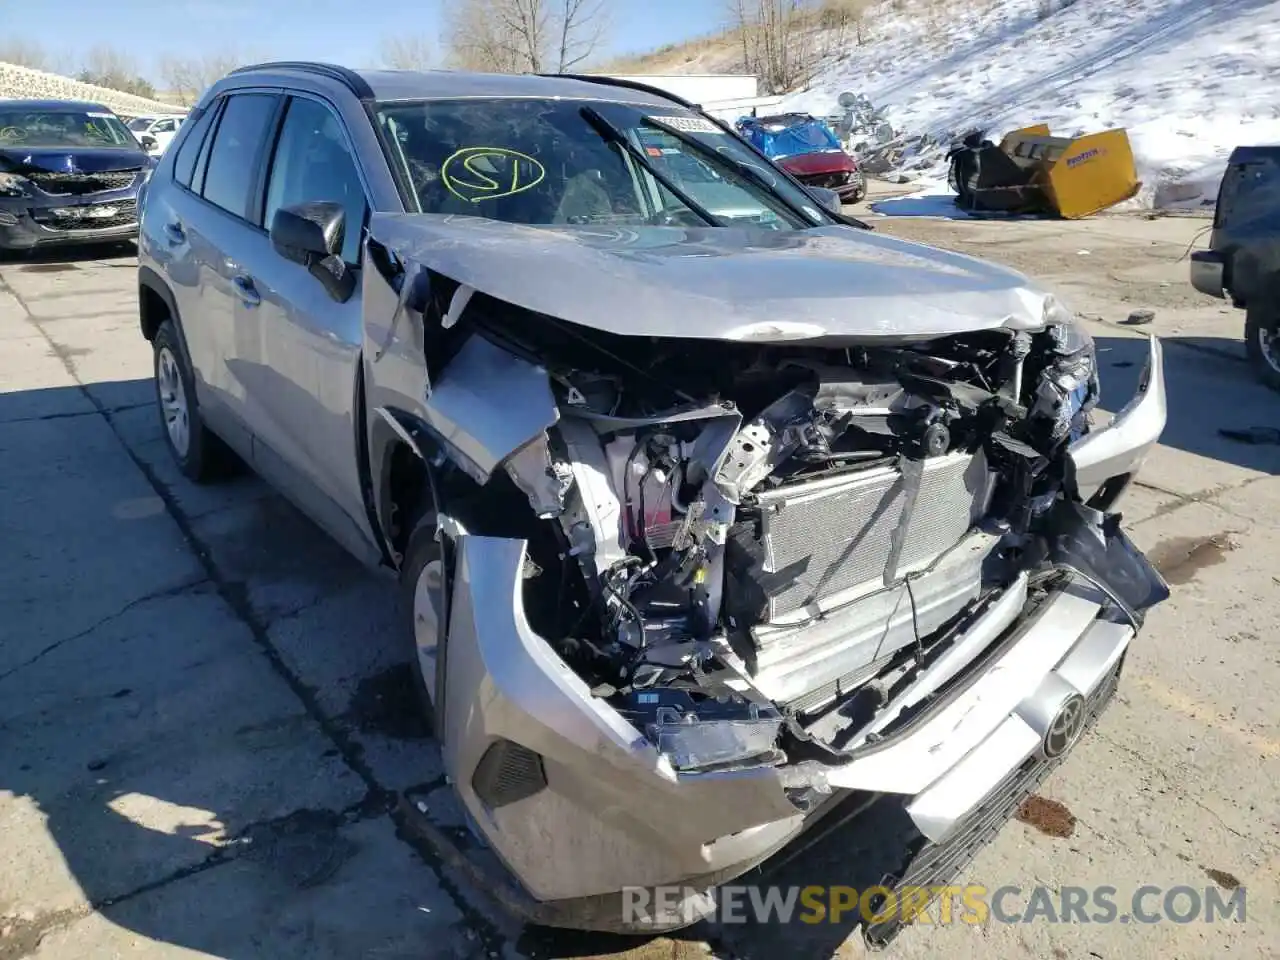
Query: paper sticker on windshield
(688, 124)
(100, 116)
(489, 173)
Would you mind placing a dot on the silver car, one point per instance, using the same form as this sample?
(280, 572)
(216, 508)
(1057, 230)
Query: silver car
(715, 512)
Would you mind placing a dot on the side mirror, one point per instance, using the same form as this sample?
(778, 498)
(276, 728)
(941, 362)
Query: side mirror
(308, 231)
(311, 234)
(827, 198)
(148, 143)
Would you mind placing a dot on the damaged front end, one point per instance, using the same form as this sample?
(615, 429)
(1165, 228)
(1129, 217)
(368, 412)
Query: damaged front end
(700, 590)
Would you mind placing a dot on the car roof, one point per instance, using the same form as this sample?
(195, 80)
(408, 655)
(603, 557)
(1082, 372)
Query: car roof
(392, 85)
(54, 105)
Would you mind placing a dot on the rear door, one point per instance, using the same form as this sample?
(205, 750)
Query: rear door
(220, 226)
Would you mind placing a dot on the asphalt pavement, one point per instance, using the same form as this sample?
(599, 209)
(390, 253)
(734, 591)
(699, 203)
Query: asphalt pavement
(206, 714)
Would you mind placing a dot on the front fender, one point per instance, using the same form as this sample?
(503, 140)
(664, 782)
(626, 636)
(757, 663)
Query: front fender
(1119, 449)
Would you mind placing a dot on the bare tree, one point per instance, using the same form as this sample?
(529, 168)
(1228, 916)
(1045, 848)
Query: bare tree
(25, 53)
(186, 78)
(840, 19)
(525, 36)
(407, 52)
(109, 67)
(776, 39)
(581, 26)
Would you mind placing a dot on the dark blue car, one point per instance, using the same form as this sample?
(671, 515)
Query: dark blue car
(69, 173)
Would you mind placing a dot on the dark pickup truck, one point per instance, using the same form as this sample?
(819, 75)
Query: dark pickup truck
(1243, 260)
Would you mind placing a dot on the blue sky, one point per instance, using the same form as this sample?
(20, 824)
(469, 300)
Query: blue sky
(342, 31)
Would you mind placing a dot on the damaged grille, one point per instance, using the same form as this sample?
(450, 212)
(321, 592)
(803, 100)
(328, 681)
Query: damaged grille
(936, 865)
(88, 218)
(80, 184)
(829, 181)
(829, 536)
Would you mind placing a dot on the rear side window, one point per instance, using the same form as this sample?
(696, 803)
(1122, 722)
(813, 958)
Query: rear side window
(1244, 188)
(184, 164)
(233, 160)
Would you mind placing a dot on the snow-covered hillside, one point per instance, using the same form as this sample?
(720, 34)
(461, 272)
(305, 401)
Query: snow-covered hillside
(1189, 79)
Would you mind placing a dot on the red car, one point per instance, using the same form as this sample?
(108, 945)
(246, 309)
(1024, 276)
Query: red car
(808, 150)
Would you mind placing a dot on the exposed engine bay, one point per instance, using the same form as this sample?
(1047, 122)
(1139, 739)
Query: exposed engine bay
(746, 548)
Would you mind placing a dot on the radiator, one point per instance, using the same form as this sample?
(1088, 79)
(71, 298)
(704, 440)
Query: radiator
(833, 536)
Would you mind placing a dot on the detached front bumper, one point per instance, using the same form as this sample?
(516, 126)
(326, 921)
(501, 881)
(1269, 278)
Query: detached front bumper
(27, 222)
(579, 806)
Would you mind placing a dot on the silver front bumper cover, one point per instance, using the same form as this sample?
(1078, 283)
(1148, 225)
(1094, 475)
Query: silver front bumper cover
(614, 810)
(960, 752)
(1121, 447)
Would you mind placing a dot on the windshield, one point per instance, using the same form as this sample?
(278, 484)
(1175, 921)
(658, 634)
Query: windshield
(542, 162)
(63, 128)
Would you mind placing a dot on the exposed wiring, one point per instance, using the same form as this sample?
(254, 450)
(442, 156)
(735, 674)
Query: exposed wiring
(915, 623)
(1200, 233)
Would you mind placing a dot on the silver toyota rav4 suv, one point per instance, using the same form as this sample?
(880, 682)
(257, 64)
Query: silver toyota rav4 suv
(716, 513)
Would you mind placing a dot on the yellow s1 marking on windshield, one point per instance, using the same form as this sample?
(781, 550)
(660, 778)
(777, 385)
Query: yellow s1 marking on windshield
(489, 173)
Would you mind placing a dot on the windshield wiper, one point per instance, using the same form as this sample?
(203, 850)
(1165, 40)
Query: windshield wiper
(611, 134)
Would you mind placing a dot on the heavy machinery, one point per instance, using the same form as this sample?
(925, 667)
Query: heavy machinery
(1032, 171)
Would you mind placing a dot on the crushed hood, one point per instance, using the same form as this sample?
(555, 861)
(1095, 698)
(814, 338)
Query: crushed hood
(16, 159)
(817, 162)
(742, 284)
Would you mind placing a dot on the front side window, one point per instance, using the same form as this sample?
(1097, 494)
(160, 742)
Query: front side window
(313, 162)
(546, 162)
(232, 164)
(63, 128)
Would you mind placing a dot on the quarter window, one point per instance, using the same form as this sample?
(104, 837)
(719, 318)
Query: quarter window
(232, 170)
(313, 162)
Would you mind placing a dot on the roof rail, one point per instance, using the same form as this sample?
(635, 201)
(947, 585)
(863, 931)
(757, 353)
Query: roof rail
(344, 75)
(628, 84)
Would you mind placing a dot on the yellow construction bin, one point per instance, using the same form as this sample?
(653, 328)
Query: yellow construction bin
(1078, 176)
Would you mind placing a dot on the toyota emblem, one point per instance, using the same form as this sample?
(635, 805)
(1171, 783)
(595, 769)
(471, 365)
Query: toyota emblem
(1066, 726)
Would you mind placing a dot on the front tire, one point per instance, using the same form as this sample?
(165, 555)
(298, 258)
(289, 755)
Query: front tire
(1262, 342)
(424, 601)
(199, 454)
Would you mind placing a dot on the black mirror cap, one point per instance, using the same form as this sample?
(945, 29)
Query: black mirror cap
(307, 231)
(829, 199)
(148, 143)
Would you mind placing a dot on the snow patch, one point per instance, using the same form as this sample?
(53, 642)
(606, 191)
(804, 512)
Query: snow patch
(1188, 79)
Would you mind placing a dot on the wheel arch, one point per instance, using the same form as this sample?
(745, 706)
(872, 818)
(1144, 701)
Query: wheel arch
(156, 304)
(401, 478)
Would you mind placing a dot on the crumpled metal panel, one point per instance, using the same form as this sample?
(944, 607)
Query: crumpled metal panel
(833, 283)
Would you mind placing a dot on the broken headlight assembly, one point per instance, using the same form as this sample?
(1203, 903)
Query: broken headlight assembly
(12, 185)
(1068, 388)
(703, 734)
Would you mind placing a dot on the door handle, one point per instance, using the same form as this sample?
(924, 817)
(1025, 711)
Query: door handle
(174, 233)
(247, 292)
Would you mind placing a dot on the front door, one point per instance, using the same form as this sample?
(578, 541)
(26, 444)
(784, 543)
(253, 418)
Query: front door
(306, 352)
